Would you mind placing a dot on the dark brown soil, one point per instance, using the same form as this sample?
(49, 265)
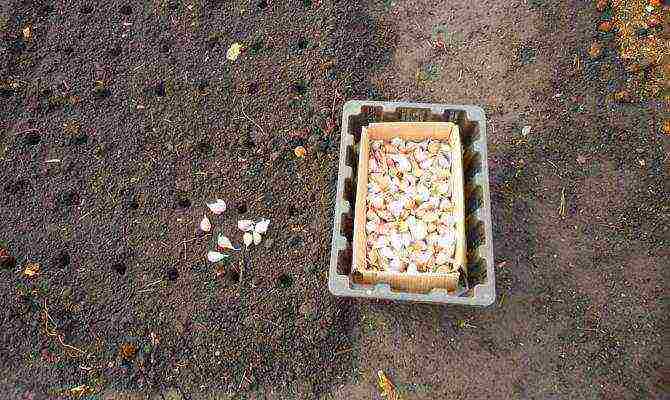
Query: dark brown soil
(149, 121)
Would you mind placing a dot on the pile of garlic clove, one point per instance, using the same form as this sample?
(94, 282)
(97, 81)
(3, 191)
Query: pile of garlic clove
(410, 224)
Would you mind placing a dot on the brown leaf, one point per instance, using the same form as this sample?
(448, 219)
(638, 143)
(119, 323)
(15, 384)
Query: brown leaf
(7, 261)
(127, 351)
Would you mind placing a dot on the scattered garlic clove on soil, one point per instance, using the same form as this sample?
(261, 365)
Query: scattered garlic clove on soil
(245, 225)
(248, 239)
(215, 256)
(218, 207)
(224, 243)
(205, 224)
(262, 226)
(257, 238)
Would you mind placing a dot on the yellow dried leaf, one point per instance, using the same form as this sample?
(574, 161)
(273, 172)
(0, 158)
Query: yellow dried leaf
(386, 388)
(81, 391)
(234, 51)
(27, 32)
(32, 269)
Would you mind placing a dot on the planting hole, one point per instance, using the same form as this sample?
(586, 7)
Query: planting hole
(159, 89)
(86, 9)
(182, 201)
(233, 276)
(252, 88)
(285, 281)
(126, 9)
(165, 48)
(241, 208)
(202, 84)
(298, 88)
(17, 186)
(62, 259)
(119, 268)
(292, 210)
(262, 5)
(133, 202)
(204, 148)
(172, 274)
(32, 138)
(302, 43)
(70, 199)
(114, 52)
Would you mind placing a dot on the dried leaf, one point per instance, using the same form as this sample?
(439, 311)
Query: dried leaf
(386, 388)
(300, 152)
(248, 239)
(218, 207)
(257, 238)
(205, 224)
(224, 243)
(215, 256)
(127, 351)
(31, 270)
(245, 225)
(27, 33)
(234, 51)
(262, 226)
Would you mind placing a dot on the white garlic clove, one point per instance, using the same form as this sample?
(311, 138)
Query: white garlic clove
(217, 207)
(262, 226)
(205, 224)
(245, 225)
(224, 243)
(215, 256)
(248, 239)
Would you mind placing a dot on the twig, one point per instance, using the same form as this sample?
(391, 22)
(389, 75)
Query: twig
(27, 130)
(54, 332)
(561, 208)
(251, 120)
(502, 300)
(85, 215)
(343, 351)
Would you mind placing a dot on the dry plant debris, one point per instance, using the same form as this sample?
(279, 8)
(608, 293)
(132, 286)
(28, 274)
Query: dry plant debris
(386, 388)
(642, 31)
(410, 212)
(31, 270)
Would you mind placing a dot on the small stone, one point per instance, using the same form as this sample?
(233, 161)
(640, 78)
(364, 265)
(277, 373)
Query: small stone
(605, 26)
(300, 152)
(595, 50)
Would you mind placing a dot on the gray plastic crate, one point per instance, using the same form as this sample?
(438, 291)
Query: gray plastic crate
(479, 288)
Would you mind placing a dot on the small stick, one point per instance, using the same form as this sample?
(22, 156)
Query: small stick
(343, 351)
(251, 120)
(27, 130)
(561, 208)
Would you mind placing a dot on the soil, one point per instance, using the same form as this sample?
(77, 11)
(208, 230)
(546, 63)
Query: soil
(148, 121)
